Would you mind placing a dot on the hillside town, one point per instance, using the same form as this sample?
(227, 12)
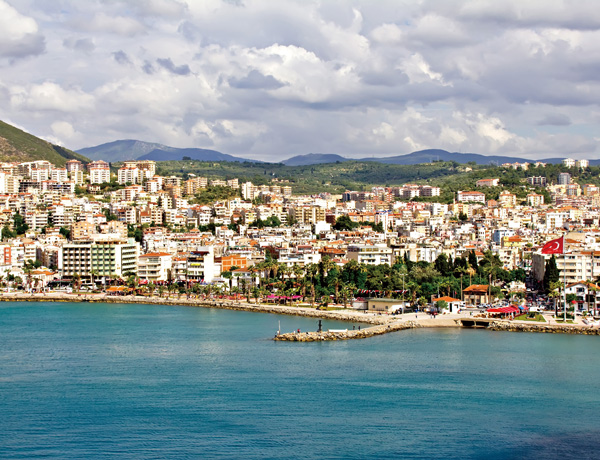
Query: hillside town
(84, 227)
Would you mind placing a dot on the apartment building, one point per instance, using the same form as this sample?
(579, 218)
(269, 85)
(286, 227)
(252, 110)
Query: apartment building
(103, 258)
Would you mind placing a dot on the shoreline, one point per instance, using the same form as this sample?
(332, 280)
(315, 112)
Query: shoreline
(380, 324)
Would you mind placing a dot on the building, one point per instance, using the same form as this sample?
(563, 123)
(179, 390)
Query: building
(564, 179)
(568, 162)
(200, 265)
(370, 254)
(537, 181)
(128, 175)
(155, 266)
(99, 258)
(477, 197)
(99, 175)
(74, 165)
(487, 183)
(534, 199)
(582, 163)
(476, 295)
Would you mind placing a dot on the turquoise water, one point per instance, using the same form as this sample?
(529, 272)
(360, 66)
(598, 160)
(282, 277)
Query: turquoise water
(99, 381)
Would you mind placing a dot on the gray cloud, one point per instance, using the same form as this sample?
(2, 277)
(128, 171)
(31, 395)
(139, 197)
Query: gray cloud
(177, 70)
(555, 119)
(121, 57)
(256, 80)
(83, 45)
(148, 68)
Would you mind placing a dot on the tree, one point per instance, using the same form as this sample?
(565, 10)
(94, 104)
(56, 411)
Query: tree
(66, 232)
(7, 233)
(344, 223)
(551, 274)
(19, 224)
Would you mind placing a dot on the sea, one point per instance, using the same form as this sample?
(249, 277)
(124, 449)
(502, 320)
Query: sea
(132, 381)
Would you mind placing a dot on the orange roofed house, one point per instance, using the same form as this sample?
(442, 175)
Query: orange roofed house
(476, 294)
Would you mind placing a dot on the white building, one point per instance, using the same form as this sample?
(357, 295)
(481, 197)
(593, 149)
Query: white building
(99, 175)
(155, 266)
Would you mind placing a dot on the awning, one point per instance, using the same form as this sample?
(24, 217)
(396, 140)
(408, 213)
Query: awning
(504, 310)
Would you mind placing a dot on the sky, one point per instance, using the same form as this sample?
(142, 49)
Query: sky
(268, 80)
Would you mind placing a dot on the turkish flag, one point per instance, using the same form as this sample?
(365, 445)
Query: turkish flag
(556, 246)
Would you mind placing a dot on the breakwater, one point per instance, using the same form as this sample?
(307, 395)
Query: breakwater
(346, 334)
(543, 328)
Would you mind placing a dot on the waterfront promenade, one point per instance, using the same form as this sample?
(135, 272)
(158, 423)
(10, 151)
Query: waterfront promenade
(380, 323)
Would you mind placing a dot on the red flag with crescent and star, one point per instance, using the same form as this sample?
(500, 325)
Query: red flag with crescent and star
(556, 246)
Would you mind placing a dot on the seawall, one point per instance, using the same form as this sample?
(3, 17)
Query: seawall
(543, 328)
(351, 316)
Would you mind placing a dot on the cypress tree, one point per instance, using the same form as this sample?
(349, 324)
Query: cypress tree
(551, 274)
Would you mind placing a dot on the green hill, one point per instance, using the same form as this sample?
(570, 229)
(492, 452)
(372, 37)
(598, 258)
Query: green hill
(17, 145)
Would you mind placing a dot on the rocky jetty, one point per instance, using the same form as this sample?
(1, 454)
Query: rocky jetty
(346, 334)
(544, 328)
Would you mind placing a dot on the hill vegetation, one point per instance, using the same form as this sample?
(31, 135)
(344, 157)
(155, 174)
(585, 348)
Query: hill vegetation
(354, 175)
(17, 145)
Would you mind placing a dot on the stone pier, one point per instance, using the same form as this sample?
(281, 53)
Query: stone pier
(346, 334)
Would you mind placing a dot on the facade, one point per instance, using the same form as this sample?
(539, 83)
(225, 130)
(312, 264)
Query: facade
(370, 255)
(564, 179)
(201, 265)
(155, 266)
(99, 175)
(476, 295)
(106, 259)
(477, 197)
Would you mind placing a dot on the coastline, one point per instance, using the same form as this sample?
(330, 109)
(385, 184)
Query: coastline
(380, 324)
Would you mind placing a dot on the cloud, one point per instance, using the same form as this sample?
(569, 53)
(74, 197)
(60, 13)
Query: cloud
(19, 34)
(177, 70)
(256, 80)
(555, 119)
(121, 57)
(119, 25)
(83, 45)
(50, 96)
(267, 79)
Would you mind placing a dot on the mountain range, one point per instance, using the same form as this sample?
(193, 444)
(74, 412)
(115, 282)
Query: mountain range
(419, 157)
(17, 145)
(138, 150)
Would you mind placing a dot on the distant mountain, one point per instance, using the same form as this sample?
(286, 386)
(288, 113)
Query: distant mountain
(430, 155)
(313, 159)
(139, 150)
(422, 156)
(17, 145)
(128, 149)
(174, 154)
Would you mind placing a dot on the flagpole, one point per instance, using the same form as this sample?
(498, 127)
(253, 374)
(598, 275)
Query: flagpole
(565, 282)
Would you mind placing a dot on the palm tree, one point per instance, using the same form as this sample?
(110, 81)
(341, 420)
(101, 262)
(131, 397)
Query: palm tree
(311, 271)
(471, 271)
(151, 288)
(228, 276)
(347, 291)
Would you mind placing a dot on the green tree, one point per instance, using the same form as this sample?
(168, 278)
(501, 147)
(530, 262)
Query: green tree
(551, 275)
(19, 224)
(344, 223)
